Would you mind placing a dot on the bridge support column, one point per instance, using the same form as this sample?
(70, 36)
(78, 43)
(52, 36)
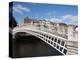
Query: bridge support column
(72, 44)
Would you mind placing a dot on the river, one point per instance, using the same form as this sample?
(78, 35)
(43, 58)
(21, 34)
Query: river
(31, 46)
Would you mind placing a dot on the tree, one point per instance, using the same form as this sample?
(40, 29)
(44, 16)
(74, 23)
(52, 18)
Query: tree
(12, 22)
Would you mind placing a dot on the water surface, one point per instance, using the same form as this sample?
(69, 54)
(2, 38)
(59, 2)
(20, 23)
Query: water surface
(31, 46)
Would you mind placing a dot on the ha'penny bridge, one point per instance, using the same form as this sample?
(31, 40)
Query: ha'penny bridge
(57, 41)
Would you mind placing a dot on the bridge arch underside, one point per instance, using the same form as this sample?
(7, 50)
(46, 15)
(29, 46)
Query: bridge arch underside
(21, 34)
(25, 37)
(57, 43)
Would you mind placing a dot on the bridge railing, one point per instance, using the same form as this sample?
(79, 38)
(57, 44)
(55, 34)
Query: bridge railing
(56, 42)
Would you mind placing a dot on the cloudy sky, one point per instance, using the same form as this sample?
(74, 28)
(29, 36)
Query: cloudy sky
(57, 13)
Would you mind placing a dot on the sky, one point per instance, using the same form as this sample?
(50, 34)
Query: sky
(53, 12)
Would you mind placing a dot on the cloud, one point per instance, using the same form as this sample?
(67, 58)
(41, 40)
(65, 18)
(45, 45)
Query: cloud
(20, 9)
(51, 13)
(74, 20)
(70, 19)
(56, 20)
(66, 16)
(52, 18)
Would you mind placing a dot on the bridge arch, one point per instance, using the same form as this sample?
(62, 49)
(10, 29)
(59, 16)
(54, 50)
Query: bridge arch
(56, 42)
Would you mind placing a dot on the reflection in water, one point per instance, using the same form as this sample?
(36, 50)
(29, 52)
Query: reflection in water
(30, 46)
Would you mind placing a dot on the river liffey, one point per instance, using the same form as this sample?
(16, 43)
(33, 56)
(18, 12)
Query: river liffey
(31, 46)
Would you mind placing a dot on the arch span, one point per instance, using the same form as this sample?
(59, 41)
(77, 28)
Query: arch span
(57, 42)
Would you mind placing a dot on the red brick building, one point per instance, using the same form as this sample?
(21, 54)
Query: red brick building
(28, 20)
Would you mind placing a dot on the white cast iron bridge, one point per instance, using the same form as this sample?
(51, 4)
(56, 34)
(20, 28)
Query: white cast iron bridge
(59, 42)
